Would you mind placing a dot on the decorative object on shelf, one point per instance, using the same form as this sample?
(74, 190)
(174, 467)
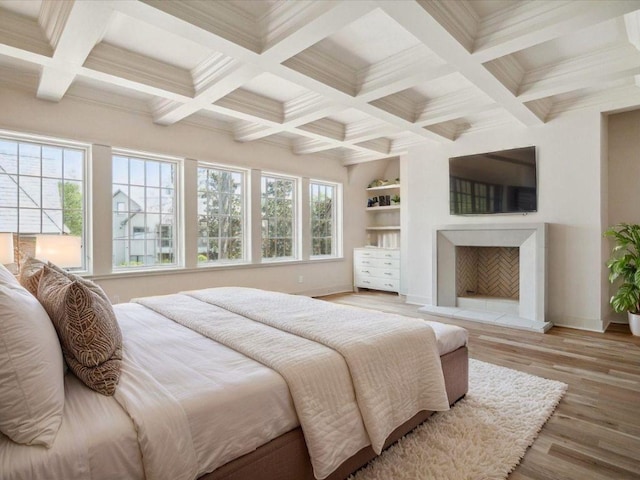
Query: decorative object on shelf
(383, 183)
(395, 200)
(383, 200)
(625, 264)
(372, 202)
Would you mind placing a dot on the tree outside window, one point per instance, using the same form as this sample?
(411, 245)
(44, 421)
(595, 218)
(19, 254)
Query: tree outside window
(220, 215)
(278, 218)
(322, 213)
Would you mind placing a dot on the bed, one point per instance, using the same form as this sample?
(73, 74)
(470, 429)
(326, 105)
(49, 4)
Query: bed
(195, 401)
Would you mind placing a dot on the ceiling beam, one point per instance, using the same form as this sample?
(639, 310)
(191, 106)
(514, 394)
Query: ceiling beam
(415, 18)
(75, 28)
(526, 24)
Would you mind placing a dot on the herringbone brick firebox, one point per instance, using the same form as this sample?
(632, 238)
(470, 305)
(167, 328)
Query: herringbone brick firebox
(488, 271)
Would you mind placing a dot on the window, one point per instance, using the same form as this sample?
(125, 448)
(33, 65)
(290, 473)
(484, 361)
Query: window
(221, 215)
(144, 212)
(322, 198)
(42, 191)
(278, 217)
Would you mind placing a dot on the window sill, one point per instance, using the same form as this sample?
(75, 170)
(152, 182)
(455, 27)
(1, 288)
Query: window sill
(209, 268)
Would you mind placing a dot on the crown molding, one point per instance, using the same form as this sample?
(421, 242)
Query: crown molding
(223, 19)
(625, 96)
(325, 69)
(302, 146)
(53, 17)
(329, 129)
(507, 71)
(446, 129)
(367, 129)
(211, 70)
(119, 62)
(23, 33)
(244, 131)
(632, 25)
(285, 17)
(250, 103)
(525, 24)
(381, 145)
(402, 145)
(579, 72)
(398, 105)
(453, 105)
(541, 107)
(308, 107)
(458, 18)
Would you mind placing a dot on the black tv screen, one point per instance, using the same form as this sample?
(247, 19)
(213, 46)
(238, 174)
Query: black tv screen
(494, 182)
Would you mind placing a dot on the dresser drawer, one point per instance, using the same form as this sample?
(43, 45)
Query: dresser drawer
(364, 271)
(391, 285)
(378, 262)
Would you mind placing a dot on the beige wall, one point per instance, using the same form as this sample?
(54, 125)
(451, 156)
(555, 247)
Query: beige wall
(107, 127)
(569, 200)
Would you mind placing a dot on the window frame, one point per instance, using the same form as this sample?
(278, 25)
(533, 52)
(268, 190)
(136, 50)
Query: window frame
(54, 142)
(295, 221)
(245, 198)
(336, 220)
(179, 227)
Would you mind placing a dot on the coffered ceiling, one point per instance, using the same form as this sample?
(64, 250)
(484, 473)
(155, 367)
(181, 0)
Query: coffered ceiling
(358, 80)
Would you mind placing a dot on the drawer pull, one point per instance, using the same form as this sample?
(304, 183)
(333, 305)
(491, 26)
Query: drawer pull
(388, 285)
(388, 263)
(388, 273)
(366, 281)
(366, 271)
(366, 261)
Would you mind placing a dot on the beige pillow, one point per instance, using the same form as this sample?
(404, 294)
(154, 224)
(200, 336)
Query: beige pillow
(31, 374)
(87, 327)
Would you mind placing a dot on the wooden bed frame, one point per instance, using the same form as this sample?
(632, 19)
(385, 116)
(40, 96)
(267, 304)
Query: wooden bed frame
(286, 457)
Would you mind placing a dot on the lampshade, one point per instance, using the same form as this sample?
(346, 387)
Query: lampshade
(63, 250)
(6, 248)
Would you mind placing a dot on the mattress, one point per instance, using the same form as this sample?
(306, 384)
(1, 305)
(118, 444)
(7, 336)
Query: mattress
(234, 405)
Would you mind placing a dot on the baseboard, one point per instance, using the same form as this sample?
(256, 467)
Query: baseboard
(417, 300)
(588, 324)
(319, 292)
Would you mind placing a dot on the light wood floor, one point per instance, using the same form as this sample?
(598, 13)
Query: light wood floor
(595, 431)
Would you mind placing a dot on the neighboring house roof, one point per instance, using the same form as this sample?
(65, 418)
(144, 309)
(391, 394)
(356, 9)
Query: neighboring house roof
(152, 205)
(32, 219)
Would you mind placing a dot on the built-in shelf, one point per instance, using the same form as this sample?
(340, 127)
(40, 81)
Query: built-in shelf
(386, 207)
(384, 187)
(387, 227)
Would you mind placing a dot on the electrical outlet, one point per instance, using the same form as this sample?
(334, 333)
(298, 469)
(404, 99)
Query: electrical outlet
(300, 279)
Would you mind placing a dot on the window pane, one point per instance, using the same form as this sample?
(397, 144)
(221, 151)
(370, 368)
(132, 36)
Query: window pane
(222, 212)
(52, 162)
(278, 217)
(143, 213)
(322, 219)
(29, 162)
(9, 189)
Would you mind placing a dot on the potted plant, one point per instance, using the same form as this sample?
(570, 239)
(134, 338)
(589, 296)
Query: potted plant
(624, 264)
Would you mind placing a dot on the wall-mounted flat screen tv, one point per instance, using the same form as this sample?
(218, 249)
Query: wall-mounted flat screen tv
(494, 182)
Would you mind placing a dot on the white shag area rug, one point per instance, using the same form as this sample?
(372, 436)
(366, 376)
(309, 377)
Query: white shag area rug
(483, 437)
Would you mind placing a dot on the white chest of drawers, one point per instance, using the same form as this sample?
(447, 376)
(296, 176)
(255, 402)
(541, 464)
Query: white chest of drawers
(376, 268)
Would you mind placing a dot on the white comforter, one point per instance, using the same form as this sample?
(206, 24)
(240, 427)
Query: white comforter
(391, 363)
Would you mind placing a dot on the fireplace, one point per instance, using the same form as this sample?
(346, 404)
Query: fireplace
(491, 273)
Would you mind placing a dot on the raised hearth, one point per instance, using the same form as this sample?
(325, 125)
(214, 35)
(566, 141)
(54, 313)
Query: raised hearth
(526, 309)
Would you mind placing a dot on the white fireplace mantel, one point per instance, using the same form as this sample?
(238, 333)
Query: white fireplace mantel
(531, 241)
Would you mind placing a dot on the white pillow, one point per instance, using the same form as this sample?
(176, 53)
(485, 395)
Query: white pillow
(31, 374)
(6, 277)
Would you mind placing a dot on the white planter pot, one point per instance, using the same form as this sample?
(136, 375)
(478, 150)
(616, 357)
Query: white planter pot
(634, 323)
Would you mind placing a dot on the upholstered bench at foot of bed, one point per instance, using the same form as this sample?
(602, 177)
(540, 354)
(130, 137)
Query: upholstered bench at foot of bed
(286, 457)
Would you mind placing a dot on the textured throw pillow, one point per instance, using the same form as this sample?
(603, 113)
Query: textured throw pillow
(31, 375)
(88, 330)
(30, 272)
(95, 288)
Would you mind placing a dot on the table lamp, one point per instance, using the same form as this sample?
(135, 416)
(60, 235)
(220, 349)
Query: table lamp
(63, 250)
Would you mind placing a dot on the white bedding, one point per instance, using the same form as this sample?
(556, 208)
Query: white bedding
(233, 405)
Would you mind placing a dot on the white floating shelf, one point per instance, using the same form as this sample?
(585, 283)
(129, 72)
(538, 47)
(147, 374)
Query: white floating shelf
(385, 207)
(384, 187)
(394, 227)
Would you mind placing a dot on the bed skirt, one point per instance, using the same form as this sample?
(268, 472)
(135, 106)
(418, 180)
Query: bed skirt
(286, 457)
